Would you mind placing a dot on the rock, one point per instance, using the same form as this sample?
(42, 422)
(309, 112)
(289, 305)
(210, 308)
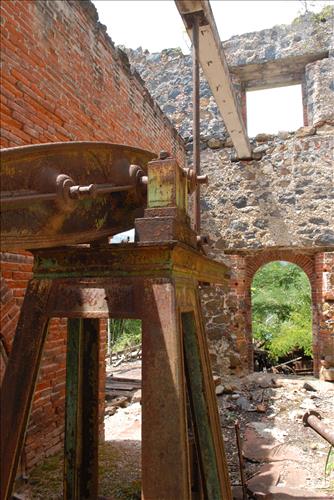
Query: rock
(228, 143)
(309, 387)
(261, 408)
(136, 398)
(244, 404)
(217, 380)
(219, 390)
(120, 402)
(283, 135)
(215, 143)
(261, 149)
(262, 449)
(325, 129)
(305, 132)
(263, 137)
(110, 410)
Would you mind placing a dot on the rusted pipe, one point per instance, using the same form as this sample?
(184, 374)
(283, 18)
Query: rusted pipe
(312, 419)
(74, 192)
(196, 119)
(241, 460)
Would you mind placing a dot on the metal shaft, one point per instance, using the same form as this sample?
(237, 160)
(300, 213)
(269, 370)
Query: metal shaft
(6, 201)
(196, 119)
(312, 419)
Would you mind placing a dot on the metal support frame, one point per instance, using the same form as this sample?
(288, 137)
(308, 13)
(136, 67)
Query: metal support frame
(196, 122)
(156, 280)
(82, 409)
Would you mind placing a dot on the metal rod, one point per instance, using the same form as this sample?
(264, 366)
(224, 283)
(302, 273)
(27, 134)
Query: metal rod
(35, 196)
(312, 419)
(196, 119)
(241, 460)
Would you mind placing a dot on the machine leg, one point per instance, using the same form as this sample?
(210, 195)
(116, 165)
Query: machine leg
(82, 410)
(203, 404)
(165, 461)
(20, 378)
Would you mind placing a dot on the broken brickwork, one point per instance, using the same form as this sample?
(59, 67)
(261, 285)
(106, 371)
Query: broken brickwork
(62, 80)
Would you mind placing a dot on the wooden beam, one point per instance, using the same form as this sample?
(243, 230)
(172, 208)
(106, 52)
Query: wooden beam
(214, 65)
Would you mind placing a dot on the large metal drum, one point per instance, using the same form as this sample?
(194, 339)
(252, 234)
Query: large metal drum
(66, 193)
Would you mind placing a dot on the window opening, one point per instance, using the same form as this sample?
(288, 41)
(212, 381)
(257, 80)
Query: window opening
(273, 110)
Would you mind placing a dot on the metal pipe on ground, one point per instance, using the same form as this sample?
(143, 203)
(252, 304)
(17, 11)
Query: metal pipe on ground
(313, 419)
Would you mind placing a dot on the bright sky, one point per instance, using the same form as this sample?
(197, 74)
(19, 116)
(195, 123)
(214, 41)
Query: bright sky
(156, 24)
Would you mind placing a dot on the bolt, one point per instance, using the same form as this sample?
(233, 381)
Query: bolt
(163, 155)
(202, 179)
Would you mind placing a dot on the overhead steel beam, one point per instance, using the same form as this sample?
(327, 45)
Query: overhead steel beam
(214, 65)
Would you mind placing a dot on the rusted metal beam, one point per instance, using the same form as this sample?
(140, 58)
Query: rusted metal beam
(215, 485)
(162, 260)
(82, 410)
(215, 68)
(20, 378)
(196, 120)
(313, 419)
(165, 460)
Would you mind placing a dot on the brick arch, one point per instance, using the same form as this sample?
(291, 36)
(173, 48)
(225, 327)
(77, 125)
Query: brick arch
(307, 264)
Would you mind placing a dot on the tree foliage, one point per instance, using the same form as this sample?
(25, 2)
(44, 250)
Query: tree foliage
(124, 333)
(281, 307)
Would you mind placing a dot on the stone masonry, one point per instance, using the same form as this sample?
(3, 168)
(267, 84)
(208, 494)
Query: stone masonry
(277, 208)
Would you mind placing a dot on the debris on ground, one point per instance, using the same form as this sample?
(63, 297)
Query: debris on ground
(282, 458)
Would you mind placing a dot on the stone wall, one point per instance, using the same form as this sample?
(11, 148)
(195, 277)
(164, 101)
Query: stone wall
(62, 79)
(277, 208)
(285, 200)
(298, 53)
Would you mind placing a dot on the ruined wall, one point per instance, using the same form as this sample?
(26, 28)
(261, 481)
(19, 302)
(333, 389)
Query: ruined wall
(288, 54)
(279, 205)
(63, 79)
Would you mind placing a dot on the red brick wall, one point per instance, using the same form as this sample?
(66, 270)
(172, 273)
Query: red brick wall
(63, 79)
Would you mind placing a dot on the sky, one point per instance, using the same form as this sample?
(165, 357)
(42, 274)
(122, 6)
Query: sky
(156, 24)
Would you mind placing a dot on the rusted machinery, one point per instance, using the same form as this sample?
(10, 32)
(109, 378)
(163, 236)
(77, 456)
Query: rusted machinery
(67, 193)
(313, 419)
(155, 279)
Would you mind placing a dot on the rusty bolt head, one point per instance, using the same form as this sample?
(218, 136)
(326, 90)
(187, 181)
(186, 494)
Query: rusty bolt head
(202, 179)
(308, 414)
(163, 155)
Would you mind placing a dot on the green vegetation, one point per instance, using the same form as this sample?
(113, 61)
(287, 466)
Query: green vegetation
(281, 307)
(124, 333)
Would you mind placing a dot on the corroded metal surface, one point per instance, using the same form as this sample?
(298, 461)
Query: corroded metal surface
(43, 170)
(82, 410)
(20, 377)
(156, 281)
(313, 419)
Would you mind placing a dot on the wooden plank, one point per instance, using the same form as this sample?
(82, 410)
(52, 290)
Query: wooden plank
(20, 378)
(215, 68)
(81, 421)
(165, 461)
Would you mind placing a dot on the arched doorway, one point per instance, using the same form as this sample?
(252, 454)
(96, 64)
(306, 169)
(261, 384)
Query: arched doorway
(281, 300)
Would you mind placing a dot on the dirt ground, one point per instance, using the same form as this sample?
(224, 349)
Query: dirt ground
(282, 458)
